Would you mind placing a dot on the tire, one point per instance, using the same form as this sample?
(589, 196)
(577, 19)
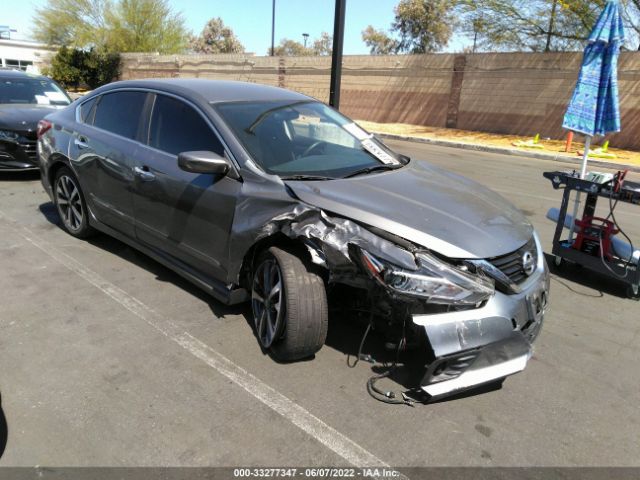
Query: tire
(291, 321)
(71, 204)
(634, 295)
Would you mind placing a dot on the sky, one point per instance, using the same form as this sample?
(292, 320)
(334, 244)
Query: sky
(251, 19)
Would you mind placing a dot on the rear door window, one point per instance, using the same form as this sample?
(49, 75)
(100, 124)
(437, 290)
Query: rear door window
(176, 127)
(120, 113)
(85, 111)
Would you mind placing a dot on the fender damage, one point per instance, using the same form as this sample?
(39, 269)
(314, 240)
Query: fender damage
(467, 345)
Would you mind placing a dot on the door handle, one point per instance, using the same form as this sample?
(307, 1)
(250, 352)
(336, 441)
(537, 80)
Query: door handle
(144, 174)
(80, 142)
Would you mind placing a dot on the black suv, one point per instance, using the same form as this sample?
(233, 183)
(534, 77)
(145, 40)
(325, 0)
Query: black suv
(25, 99)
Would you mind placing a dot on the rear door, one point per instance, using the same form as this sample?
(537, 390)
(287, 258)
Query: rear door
(184, 214)
(104, 146)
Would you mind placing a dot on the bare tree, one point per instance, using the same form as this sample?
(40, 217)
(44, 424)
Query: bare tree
(323, 45)
(291, 48)
(534, 25)
(216, 37)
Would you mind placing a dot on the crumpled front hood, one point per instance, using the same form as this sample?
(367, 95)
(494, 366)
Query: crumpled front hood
(23, 117)
(439, 210)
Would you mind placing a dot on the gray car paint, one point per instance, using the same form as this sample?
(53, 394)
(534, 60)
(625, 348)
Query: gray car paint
(204, 227)
(103, 163)
(441, 211)
(431, 207)
(186, 214)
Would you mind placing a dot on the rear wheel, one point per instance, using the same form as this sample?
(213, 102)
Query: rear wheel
(70, 203)
(289, 305)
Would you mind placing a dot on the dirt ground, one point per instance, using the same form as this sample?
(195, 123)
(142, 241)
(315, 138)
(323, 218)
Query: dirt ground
(495, 140)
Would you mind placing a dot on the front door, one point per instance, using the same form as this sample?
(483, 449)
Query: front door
(185, 215)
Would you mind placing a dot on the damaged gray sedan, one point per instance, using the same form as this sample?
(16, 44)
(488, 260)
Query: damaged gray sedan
(259, 194)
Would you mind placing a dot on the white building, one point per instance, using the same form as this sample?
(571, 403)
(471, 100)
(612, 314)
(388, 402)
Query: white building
(24, 54)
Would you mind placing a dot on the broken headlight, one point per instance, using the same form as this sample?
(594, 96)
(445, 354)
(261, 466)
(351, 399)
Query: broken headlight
(434, 280)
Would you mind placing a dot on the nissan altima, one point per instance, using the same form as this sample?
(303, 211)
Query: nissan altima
(259, 194)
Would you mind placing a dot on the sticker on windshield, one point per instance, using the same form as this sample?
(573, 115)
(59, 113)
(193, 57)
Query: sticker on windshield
(56, 96)
(356, 131)
(371, 147)
(42, 100)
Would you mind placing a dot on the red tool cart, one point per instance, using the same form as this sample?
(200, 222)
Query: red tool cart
(592, 247)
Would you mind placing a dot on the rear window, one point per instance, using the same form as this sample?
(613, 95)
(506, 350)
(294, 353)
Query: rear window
(120, 113)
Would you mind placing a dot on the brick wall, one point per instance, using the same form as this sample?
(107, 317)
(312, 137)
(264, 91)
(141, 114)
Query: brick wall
(515, 93)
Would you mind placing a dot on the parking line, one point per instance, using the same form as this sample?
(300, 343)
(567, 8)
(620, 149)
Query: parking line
(299, 416)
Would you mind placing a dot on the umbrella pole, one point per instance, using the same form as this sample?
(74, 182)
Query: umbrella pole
(583, 173)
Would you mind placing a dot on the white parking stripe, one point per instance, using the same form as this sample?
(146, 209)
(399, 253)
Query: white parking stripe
(300, 417)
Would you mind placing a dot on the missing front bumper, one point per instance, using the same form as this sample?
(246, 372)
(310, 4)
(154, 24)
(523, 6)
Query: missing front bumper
(491, 363)
(476, 347)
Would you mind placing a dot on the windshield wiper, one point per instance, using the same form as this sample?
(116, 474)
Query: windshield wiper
(266, 113)
(375, 168)
(307, 177)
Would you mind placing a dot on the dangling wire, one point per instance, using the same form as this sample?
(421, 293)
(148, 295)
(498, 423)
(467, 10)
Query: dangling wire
(364, 338)
(359, 357)
(612, 208)
(389, 396)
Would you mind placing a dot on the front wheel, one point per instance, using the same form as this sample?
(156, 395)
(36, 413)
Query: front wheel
(289, 305)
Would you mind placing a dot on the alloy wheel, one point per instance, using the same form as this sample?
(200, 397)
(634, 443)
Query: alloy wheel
(69, 203)
(267, 301)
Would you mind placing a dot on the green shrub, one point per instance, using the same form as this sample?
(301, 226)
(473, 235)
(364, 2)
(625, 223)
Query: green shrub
(66, 67)
(100, 68)
(75, 68)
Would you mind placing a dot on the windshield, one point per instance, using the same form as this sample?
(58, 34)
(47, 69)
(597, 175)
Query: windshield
(39, 91)
(298, 139)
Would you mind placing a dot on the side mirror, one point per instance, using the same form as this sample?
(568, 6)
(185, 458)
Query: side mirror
(203, 162)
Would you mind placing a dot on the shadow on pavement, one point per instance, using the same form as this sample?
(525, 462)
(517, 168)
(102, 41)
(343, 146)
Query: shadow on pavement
(577, 274)
(3, 429)
(163, 274)
(344, 334)
(50, 212)
(27, 175)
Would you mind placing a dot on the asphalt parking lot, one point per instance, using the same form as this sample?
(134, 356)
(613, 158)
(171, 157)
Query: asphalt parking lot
(107, 358)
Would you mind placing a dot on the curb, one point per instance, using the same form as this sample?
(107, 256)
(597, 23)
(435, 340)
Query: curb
(509, 151)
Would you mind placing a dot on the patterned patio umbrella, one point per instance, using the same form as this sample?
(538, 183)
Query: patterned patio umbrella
(594, 108)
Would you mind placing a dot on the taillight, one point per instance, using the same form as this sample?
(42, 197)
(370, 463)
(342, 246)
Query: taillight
(43, 127)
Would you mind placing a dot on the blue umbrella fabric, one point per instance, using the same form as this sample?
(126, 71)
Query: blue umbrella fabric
(594, 108)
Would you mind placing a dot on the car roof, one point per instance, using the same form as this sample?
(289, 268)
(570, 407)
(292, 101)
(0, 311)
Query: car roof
(211, 91)
(11, 73)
